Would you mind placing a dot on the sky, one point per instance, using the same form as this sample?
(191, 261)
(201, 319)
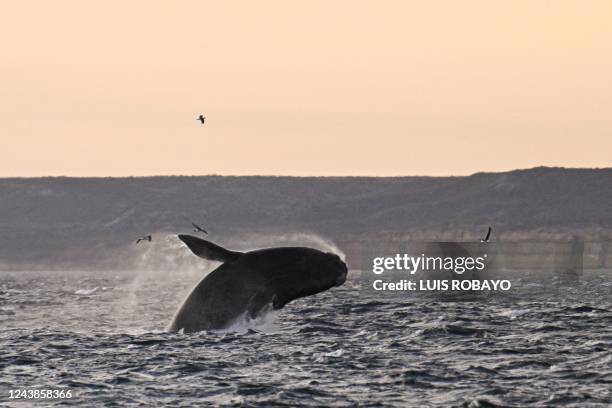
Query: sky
(322, 88)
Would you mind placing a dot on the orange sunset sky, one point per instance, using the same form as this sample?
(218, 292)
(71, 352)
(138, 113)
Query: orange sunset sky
(113, 88)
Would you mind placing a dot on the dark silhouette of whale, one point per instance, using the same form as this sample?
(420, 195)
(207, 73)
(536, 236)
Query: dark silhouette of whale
(251, 282)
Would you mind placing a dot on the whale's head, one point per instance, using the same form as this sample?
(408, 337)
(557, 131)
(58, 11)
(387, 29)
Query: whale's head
(322, 270)
(337, 268)
(298, 272)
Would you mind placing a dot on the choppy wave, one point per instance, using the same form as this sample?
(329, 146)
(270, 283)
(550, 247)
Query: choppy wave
(540, 346)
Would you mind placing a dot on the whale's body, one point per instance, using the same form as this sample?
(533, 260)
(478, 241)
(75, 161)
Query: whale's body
(249, 282)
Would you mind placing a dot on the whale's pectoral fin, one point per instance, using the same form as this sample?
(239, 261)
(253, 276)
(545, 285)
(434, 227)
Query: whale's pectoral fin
(258, 303)
(279, 301)
(208, 250)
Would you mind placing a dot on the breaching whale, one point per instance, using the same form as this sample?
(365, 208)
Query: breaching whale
(249, 282)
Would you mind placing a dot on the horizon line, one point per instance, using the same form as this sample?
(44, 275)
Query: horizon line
(302, 176)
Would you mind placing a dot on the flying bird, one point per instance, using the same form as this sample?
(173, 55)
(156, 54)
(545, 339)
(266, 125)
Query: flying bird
(197, 228)
(486, 239)
(144, 238)
(202, 118)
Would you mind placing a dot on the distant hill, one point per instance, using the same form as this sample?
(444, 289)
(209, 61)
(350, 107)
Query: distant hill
(81, 221)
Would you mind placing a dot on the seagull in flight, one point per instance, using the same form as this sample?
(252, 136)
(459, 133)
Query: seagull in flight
(197, 228)
(144, 238)
(202, 118)
(486, 239)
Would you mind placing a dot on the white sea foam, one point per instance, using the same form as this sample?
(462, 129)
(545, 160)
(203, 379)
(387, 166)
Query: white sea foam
(514, 313)
(86, 292)
(265, 322)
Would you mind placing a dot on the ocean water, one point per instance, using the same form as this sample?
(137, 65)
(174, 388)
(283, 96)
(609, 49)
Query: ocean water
(101, 335)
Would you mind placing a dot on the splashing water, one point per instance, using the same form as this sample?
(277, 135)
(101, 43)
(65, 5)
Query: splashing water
(265, 322)
(166, 260)
(163, 262)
